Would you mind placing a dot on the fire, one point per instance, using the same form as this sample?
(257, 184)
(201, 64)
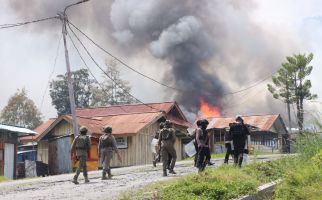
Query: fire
(208, 110)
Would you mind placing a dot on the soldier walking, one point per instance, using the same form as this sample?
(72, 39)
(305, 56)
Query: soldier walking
(202, 139)
(239, 133)
(83, 144)
(157, 156)
(106, 145)
(166, 142)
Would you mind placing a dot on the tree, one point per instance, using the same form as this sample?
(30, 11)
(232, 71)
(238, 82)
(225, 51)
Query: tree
(112, 92)
(21, 111)
(302, 86)
(282, 90)
(292, 85)
(82, 91)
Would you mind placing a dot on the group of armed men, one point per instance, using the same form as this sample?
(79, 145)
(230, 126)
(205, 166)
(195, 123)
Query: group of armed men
(235, 143)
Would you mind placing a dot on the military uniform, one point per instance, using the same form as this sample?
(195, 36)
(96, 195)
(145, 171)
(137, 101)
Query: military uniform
(228, 145)
(106, 146)
(83, 145)
(166, 141)
(203, 148)
(239, 134)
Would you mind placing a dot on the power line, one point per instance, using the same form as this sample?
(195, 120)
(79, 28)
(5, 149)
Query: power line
(52, 72)
(5, 26)
(117, 84)
(156, 81)
(79, 54)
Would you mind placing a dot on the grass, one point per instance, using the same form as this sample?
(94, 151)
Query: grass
(2, 179)
(225, 182)
(304, 180)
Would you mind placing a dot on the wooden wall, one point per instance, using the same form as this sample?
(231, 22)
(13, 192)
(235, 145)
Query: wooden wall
(42, 151)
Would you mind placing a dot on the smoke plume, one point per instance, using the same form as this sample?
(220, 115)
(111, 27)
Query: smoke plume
(211, 47)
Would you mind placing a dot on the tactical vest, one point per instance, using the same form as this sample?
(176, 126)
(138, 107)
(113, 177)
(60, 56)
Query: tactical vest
(82, 142)
(237, 130)
(204, 136)
(166, 134)
(106, 141)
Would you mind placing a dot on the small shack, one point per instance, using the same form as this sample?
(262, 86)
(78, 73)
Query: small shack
(266, 130)
(9, 140)
(133, 127)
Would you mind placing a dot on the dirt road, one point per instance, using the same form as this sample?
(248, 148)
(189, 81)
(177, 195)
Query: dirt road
(125, 179)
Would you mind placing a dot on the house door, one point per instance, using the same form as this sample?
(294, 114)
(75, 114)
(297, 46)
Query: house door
(9, 160)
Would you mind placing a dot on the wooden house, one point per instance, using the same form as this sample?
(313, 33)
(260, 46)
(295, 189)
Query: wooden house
(9, 139)
(133, 127)
(266, 130)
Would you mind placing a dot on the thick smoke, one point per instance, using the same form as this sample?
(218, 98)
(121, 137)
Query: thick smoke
(211, 47)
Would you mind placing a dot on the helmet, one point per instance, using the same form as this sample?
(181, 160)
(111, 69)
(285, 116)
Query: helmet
(239, 118)
(83, 130)
(107, 129)
(204, 122)
(167, 123)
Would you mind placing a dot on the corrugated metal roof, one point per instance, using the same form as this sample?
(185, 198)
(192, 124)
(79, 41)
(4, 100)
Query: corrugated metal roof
(124, 124)
(263, 122)
(39, 130)
(20, 131)
(125, 109)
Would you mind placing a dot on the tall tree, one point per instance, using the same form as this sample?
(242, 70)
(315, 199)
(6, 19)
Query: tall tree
(302, 85)
(292, 85)
(21, 111)
(112, 92)
(82, 91)
(282, 90)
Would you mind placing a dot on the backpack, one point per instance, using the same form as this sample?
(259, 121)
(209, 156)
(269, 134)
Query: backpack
(106, 141)
(166, 134)
(82, 142)
(236, 130)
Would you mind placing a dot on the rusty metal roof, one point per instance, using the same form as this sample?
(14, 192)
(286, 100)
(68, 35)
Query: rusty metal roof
(125, 109)
(123, 124)
(39, 130)
(263, 122)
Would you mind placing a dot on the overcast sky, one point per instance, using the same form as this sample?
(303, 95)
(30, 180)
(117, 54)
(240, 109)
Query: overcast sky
(27, 54)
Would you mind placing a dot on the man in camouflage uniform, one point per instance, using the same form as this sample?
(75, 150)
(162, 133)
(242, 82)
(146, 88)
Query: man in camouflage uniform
(106, 145)
(83, 144)
(166, 143)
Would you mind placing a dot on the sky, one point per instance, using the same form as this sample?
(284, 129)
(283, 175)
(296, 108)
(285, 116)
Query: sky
(28, 53)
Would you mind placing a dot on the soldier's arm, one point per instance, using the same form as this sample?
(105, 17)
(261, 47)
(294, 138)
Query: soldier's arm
(160, 139)
(99, 148)
(73, 144)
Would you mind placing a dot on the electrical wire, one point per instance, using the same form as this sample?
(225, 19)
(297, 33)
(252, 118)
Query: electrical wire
(117, 84)
(81, 57)
(156, 81)
(52, 72)
(5, 26)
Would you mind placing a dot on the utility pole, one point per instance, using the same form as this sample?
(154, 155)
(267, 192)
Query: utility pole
(64, 19)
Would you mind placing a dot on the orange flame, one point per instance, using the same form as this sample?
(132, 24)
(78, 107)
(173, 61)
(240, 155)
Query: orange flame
(207, 110)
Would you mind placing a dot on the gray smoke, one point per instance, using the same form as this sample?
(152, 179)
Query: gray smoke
(211, 46)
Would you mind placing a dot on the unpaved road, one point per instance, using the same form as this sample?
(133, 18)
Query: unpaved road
(125, 179)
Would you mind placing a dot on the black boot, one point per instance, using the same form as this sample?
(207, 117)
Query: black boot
(109, 174)
(165, 173)
(104, 175)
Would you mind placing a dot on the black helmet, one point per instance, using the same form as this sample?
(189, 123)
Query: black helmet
(107, 129)
(167, 123)
(198, 122)
(204, 122)
(83, 130)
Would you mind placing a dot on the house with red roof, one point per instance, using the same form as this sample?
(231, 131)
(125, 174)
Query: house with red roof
(133, 126)
(266, 130)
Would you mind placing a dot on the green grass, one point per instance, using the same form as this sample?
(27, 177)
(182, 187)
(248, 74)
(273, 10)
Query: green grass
(2, 178)
(225, 182)
(304, 180)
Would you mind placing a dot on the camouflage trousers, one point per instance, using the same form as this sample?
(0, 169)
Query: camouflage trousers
(106, 157)
(81, 166)
(166, 152)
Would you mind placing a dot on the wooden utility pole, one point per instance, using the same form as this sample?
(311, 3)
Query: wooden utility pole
(64, 19)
